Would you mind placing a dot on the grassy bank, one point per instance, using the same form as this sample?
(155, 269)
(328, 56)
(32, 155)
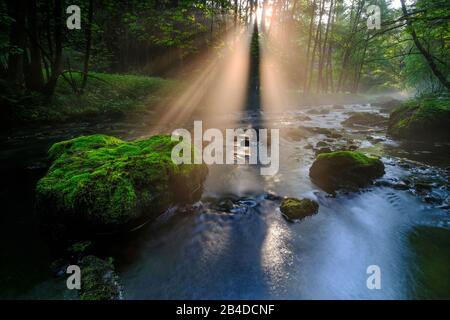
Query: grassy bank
(105, 94)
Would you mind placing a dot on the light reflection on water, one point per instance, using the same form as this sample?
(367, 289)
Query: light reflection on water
(254, 253)
(257, 254)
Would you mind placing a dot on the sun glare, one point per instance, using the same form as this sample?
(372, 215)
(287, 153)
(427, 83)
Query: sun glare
(267, 12)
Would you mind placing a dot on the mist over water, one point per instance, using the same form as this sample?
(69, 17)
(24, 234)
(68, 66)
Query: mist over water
(235, 244)
(252, 252)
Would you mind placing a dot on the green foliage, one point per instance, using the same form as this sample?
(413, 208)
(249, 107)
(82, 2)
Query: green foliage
(432, 27)
(79, 247)
(105, 94)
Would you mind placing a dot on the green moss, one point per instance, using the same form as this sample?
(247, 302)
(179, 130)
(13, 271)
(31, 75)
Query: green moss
(425, 118)
(79, 247)
(98, 279)
(295, 209)
(345, 170)
(354, 157)
(102, 181)
(82, 144)
(430, 246)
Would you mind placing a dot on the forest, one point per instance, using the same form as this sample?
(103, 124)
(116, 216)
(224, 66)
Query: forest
(326, 47)
(92, 91)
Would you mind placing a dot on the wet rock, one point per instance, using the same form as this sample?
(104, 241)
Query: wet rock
(347, 170)
(401, 185)
(405, 165)
(322, 150)
(375, 139)
(321, 144)
(272, 197)
(221, 204)
(318, 111)
(295, 134)
(99, 280)
(422, 187)
(348, 147)
(425, 119)
(432, 199)
(397, 185)
(309, 146)
(225, 205)
(335, 135)
(338, 107)
(365, 119)
(100, 184)
(296, 209)
(320, 130)
(302, 117)
(58, 267)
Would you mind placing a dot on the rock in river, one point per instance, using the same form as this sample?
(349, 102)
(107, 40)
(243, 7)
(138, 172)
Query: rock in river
(365, 119)
(425, 119)
(347, 170)
(102, 184)
(98, 280)
(295, 209)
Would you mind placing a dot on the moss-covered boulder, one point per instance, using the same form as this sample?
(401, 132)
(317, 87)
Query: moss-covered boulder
(99, 184)
(98, 279)
(432, 260)
(296, 209)
(347, 170)
(365, 119)
(426, 119)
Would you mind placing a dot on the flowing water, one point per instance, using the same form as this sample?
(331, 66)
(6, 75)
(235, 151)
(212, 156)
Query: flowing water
(235, 244)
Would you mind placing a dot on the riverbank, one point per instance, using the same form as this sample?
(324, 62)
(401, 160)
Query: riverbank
(105, 95)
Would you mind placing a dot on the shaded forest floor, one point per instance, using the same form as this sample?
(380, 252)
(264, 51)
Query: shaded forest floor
(110, 95)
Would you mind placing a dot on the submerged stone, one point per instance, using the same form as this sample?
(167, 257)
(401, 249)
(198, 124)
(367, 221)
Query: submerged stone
(102, 184)
(296, 209)
(98, 280)
(347, 170)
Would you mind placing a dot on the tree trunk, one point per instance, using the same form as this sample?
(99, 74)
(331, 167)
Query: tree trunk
(35, 78)
(56, 63)
(316, 43)
(17, 37)
(360, 67)
(349, 47)
(88, 44)
(428, 57)
(323, 53)
(308, 48)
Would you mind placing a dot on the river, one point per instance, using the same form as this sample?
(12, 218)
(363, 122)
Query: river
(234, 243)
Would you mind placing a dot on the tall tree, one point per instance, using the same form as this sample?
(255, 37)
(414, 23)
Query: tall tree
(426, 54)
(34, 76)
(17, 38)
(87, 53)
